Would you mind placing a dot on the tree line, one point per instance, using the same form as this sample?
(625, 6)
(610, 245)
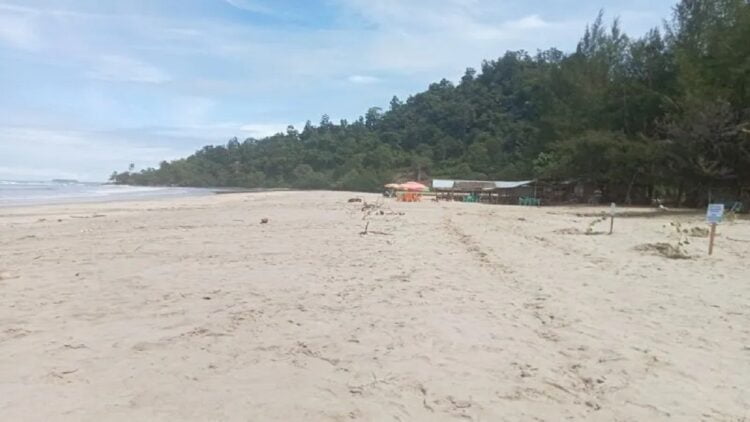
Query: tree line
(666, 114)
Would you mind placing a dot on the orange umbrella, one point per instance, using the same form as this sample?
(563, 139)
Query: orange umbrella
(414, 187)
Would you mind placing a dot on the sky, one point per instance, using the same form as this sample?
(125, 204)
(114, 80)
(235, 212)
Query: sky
(89, 86)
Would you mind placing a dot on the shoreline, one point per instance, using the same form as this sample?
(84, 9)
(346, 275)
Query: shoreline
(22, 199)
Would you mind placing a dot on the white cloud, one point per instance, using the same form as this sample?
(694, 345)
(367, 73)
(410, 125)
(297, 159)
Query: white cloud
(18, 32)
(190, 110)
(362, 79)
(439, 39)
(179, 34)
(250, 5)
(46, 152)
(261, 130)
(41, 137)
(218, 133)
(35, 173)
(529, 22)
(117, 68)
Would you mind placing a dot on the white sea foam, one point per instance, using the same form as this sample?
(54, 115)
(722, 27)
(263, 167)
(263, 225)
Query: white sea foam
(13, 192)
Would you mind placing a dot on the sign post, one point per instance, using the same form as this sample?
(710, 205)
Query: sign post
(612, 208)
(714, 215)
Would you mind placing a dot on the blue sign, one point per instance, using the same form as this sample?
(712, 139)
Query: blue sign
(715, 213)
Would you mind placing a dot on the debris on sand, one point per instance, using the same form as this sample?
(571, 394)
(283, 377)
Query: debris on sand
(695, 231)
(572, 230)
(377, 208)
(370, 210)
(589, 229)
(354, 200)
(698, 232)
(368, 231)
(87, 216)
(569, 230)
(263, 221)
(666, 250)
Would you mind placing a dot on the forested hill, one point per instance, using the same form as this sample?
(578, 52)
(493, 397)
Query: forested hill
(668, 110)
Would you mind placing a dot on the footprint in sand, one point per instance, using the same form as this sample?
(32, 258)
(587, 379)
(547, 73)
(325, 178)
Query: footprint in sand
(10, 333)
(6, 275)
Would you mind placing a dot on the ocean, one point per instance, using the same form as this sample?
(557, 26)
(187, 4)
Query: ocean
(18, 193)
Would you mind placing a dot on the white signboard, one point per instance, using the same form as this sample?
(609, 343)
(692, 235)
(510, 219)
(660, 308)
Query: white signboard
(612, 209)
(715, 213)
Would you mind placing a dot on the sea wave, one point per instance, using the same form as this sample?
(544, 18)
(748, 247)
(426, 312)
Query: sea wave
(13, 192)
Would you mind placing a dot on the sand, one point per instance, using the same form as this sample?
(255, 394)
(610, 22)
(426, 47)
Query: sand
(190, 309)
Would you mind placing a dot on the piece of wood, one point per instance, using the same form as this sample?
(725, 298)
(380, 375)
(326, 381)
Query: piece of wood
(711, 239)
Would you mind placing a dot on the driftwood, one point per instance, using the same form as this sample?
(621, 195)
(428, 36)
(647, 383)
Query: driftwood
(377, 209)
(374, 209)
(367, 231)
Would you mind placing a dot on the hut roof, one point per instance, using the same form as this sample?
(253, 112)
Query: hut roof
(442, 184)
(511, 185)
(474, 185)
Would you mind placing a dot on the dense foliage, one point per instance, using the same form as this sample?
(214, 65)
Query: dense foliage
(667, 111)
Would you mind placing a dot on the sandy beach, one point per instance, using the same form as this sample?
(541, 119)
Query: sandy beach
(190, 309)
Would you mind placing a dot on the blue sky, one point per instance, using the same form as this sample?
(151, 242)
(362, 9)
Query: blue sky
(88, 86)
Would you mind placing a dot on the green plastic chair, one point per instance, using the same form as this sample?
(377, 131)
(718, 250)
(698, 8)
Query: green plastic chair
(528, 201)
